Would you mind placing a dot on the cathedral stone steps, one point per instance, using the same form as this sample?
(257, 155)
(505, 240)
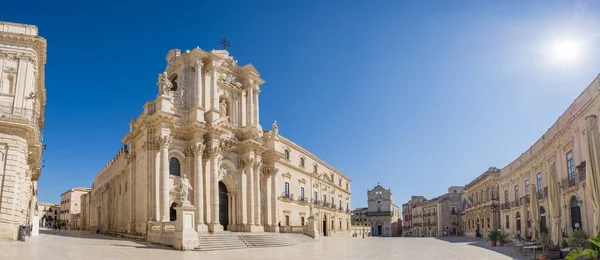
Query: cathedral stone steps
(223, 241)
(268, 240)
(233, 240)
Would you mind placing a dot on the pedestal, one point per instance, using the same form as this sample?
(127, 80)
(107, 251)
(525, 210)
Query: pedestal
(201, 227)
(312, 228)
(185, 236)
(196, 114)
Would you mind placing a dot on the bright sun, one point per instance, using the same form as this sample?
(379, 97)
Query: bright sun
(567, 50)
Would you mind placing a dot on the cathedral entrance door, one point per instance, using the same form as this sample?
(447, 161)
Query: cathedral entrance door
(324, 226)
(223, 205)
(379, 230)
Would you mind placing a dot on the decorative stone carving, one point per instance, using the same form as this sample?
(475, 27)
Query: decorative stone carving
(164, 84)
(184, 187)
(179, 93)
(211, 152)
(230, 80)
(164, 141)
(223, 108)
(195, 149)
(275, 128)
(270, 171)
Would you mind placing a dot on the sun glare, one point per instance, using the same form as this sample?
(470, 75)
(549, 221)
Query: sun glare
(567, 50)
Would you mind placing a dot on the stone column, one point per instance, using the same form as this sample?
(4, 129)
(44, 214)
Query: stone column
(269, 213)
(274, 215)
(131, 160)
(256, 105)
(199, 96)
(164, 174)
(214, 99)
(245, 109)
(213, 154)
(250, 192)
(206, 186)
(249, 105)
(241, 197)
(229, 210)
(196, 151)
(257, 197)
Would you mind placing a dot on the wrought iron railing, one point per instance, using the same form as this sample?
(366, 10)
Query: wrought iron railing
(302, 199)
(19, 114)
(569, 181)
(288, 196)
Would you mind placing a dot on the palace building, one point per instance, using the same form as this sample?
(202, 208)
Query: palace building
(204, 124)
(382, 213)
(481, 204)
(22, 104)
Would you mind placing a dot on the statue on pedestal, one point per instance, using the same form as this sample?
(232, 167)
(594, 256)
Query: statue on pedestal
(164, 84)
(184, 186)
(275, 127)
(223, 108)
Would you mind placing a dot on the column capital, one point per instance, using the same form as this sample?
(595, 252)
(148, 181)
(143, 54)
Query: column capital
(199, 64)
(211, 152)
(270, 171)
(195, 149)
(164, 141)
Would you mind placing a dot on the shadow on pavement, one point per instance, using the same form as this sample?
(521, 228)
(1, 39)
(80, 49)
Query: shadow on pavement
(506, 250)
(90, 235)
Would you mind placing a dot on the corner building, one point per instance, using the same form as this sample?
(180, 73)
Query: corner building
(481, 204)
(204, 123)
(22, 103)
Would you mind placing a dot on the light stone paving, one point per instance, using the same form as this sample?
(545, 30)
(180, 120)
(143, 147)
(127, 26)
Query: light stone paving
(82, 245)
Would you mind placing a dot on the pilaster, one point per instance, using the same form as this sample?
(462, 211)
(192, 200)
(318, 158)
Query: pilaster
(196, 151)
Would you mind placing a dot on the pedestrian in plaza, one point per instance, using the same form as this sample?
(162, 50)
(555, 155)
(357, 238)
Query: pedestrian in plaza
(280, 227)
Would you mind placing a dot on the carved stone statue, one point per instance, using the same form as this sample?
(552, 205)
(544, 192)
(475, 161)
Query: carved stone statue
(275, 127)
(184, 186)
(164, 84)
(223, 108)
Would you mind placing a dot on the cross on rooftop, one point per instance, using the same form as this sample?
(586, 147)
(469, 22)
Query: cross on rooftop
(225, 43)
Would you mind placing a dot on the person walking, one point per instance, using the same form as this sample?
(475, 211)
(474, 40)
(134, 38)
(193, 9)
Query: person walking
(280, 227)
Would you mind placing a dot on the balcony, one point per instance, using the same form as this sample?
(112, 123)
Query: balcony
(505, 205)
(569, 182)
(303, 199)
(21, 115)
(287, 196)
(325, 204)
(525, 200)
(581, 171)
(380, 213)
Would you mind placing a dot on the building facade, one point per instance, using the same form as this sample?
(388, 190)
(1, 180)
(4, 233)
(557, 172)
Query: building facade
(22, 103)
(359, 215)
(70, 206)
(382, 213)
(564, 146)
(481, 204)
(204, 126)
(48, 214)
(407, 215)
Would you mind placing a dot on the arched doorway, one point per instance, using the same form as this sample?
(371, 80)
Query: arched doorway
(173, 212)
(223, 205)
(575, 213)
(543, 227)
(518, 217)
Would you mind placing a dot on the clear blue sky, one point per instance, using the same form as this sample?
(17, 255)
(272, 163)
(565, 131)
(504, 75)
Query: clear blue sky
(415, 95)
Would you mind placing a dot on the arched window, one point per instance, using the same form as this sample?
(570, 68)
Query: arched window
(287, 154)
(575, 213)
(315, 168)
(174, 82)
(174, 167)
(302, 162)
(543, 226)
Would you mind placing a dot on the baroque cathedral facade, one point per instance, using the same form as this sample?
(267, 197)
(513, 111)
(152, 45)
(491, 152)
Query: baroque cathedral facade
(204, 125)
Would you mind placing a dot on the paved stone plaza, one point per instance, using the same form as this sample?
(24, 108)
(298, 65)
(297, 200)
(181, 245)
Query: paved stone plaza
(84, 245)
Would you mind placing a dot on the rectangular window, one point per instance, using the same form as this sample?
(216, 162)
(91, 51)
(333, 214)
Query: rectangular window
(505, 196)
(340, 204)
(570, 165)
(516, 192)
(302, 193)
(324, 199)
(526, 187)
(347, 206)
(332, 202)
(539, 183)
(287, 189)
(287, 220)
(302, 220)
(316, 197)
(507, 225)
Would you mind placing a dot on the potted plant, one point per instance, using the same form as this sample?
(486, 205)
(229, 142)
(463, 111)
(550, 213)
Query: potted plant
(544, 241)
(493, 236)
(503, 238)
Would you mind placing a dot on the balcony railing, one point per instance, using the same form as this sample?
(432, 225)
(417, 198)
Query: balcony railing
(288, 196)
(380, 213)
(505, 205)
(303, 199)
(24, 115)
(569, 181)
(581, 171)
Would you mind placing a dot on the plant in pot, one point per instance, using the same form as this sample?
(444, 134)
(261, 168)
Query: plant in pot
(493, 236)
(544, 241)
(503, 238)
(581, 253)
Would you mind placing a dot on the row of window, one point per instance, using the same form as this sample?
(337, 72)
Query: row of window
(315, 196)
(570, 175)
(286, 153)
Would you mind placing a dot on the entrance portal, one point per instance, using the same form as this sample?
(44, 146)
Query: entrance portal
(223, 205)
(324, 226)
(379, 230)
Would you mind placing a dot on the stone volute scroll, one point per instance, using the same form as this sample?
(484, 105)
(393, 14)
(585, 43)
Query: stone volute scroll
(164, 84)
(184, 187)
